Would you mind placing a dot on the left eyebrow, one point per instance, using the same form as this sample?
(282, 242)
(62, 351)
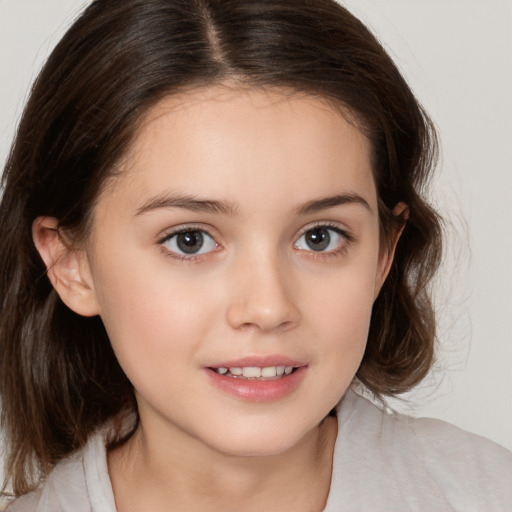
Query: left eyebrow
(324, 203)
(188, 203)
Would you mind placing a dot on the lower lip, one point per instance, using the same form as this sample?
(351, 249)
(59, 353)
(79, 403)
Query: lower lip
(258, 390)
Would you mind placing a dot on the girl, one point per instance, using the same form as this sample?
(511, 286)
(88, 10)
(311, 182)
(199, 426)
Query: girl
(212, 232)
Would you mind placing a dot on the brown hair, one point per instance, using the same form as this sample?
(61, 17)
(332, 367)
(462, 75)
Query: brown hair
(59, 378)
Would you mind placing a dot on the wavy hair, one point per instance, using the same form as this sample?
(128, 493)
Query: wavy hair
(59, 377)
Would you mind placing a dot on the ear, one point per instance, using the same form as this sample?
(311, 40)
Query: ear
(388, 253)
(67, 268)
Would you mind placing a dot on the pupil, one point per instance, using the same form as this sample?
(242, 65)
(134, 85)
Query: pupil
(318, 239)
(190, 242)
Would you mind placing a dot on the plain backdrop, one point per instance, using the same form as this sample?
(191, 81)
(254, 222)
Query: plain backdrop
(457, 56)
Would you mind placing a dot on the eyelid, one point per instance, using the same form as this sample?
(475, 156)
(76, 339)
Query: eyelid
(347, 235)
(184, 228)
(348, 239)
(328, 225)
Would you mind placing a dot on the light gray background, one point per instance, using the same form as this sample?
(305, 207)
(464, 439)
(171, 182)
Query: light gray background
(457, 56)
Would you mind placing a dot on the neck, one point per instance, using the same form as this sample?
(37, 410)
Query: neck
(188, 475)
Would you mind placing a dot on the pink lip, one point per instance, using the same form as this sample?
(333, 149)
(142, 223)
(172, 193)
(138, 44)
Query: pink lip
(258, 390)
(259, 361)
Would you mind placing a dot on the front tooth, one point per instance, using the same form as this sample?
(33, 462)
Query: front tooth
(280, 370)
(236, 371)
(288, 370)
(270, 371)
(221, 370)
(252, 371)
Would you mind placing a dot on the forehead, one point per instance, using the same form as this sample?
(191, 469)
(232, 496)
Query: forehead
(244, 144)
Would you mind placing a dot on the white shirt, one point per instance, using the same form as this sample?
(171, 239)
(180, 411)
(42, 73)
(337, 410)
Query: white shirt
(382, 463)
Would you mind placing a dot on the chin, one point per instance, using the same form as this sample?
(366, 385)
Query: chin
(260, 439)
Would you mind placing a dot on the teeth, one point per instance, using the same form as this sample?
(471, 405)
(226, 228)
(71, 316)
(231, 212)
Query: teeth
(269, 372)
(252, 371)
(255, 372)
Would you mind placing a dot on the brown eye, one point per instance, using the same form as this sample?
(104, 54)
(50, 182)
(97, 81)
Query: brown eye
(189, 242)
(318, 239)
(321, 239)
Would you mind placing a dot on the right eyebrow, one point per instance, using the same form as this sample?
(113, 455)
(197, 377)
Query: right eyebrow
(187, 202)
(329, 202)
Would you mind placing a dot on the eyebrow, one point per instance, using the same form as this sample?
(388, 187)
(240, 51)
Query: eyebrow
(188, 203)
(329, 202)
(195, 204)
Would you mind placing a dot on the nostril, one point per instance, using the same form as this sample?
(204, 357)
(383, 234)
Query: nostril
(249, 327)
(285, 326)
(261, 326)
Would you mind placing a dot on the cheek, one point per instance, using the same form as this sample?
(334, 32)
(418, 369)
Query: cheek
(155, 315)
(339, 317)
(336, 321)
(344, 299)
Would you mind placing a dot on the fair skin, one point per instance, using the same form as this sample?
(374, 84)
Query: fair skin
(242, 231)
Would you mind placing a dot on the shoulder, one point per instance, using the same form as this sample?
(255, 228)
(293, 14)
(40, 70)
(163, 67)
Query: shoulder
(467, 467)
(457, 449)
(79, 483)
(421, 460)
(26, 503)
(63, 490)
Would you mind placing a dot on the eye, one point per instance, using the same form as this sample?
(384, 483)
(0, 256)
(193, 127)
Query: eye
(189, 242)
(322, 239)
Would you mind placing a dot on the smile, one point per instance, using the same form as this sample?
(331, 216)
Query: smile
(255, 372)
(256, 379)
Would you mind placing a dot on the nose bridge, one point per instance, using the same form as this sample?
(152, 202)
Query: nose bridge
(262, 297)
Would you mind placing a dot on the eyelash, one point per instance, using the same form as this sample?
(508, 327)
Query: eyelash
(349, 238)
(193, 258)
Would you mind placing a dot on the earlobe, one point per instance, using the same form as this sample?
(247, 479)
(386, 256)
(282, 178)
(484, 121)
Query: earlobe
(388, 253)
(67, 268)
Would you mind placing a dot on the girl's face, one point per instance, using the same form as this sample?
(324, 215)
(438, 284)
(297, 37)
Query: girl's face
(241, 237)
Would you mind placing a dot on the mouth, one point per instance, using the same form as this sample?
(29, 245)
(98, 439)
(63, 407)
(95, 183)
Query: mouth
(265, 373)
(258, 381)
(258, 378)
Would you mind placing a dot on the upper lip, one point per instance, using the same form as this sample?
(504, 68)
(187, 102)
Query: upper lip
(259, 361)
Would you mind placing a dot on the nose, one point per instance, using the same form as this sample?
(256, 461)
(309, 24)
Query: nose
(262, 298)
